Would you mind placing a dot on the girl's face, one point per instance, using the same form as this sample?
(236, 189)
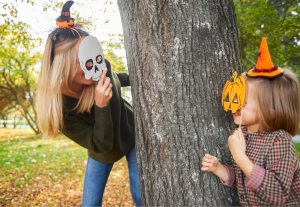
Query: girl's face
(249, 111)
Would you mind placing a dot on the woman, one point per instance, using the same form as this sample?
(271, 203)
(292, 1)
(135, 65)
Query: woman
(92, 114)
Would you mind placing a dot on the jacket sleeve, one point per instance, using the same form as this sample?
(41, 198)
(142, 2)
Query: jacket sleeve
(231, 176)
(124, 79)
(97, 137)
(273, 183)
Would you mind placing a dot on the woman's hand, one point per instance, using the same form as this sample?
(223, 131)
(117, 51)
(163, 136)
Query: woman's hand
(210, 163)
(103, 90)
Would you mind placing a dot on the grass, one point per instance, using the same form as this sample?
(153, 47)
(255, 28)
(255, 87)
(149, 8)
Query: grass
(36, 171)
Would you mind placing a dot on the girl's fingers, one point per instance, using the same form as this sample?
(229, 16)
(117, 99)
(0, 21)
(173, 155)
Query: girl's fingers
(208, 160)
(240, 132)
(208, 156)
(235, 134)
(204, 168)
(207, 164)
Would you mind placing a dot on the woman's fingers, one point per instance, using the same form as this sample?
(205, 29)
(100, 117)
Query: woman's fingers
(103, 91)
(108, 90)
(110, 94)
(106, 83)
(102, 78)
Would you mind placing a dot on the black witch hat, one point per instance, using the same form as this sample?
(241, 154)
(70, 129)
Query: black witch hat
(65, 19)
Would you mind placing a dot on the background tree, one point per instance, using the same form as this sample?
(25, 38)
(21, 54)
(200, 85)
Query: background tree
(279, 21)
(179, 55)
(112, 48)
(18, 60)
(113, 51)
(6, 106)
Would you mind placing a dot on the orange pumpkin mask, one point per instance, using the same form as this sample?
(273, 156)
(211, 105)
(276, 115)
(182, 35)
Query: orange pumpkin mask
(234, 93)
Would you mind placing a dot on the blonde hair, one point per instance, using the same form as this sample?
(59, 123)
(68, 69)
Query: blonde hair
(59, 65)
(278, 102)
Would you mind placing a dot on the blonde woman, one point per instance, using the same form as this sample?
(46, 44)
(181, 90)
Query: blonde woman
(91, 114)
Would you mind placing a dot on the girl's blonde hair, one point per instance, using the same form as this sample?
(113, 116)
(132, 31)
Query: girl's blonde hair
(278, 102)
(59, 65)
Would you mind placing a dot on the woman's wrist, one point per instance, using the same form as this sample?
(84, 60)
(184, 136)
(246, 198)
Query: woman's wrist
(101, 104)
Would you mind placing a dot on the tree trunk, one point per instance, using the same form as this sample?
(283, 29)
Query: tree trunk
(180, 54)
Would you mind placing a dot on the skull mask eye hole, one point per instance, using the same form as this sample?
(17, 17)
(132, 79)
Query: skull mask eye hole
(99, 59)
(89, 64)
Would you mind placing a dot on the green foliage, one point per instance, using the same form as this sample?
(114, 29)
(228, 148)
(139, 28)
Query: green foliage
(111, 49)
(279, 21)
(297, 147)
(18, 60)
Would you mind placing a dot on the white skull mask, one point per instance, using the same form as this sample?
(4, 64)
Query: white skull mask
(91, 58)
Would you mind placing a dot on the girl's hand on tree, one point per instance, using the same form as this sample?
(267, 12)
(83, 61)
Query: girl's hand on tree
(103, 90)
(237, 143)
(210, 163)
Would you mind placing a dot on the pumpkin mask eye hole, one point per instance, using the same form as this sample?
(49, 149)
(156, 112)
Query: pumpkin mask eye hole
(235, 99)
(227, 98)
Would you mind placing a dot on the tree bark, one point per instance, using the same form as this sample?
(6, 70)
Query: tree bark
(180, 54)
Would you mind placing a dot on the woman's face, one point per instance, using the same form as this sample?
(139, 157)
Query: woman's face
(79, 76)
(248, 115)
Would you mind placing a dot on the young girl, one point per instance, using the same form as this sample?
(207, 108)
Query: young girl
(265, 171)
(92, 115)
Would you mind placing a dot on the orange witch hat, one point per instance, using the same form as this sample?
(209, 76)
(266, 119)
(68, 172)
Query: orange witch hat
(264, 66)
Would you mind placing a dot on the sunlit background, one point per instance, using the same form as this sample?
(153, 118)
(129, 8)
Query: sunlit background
(35, 171)
(103, 14)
